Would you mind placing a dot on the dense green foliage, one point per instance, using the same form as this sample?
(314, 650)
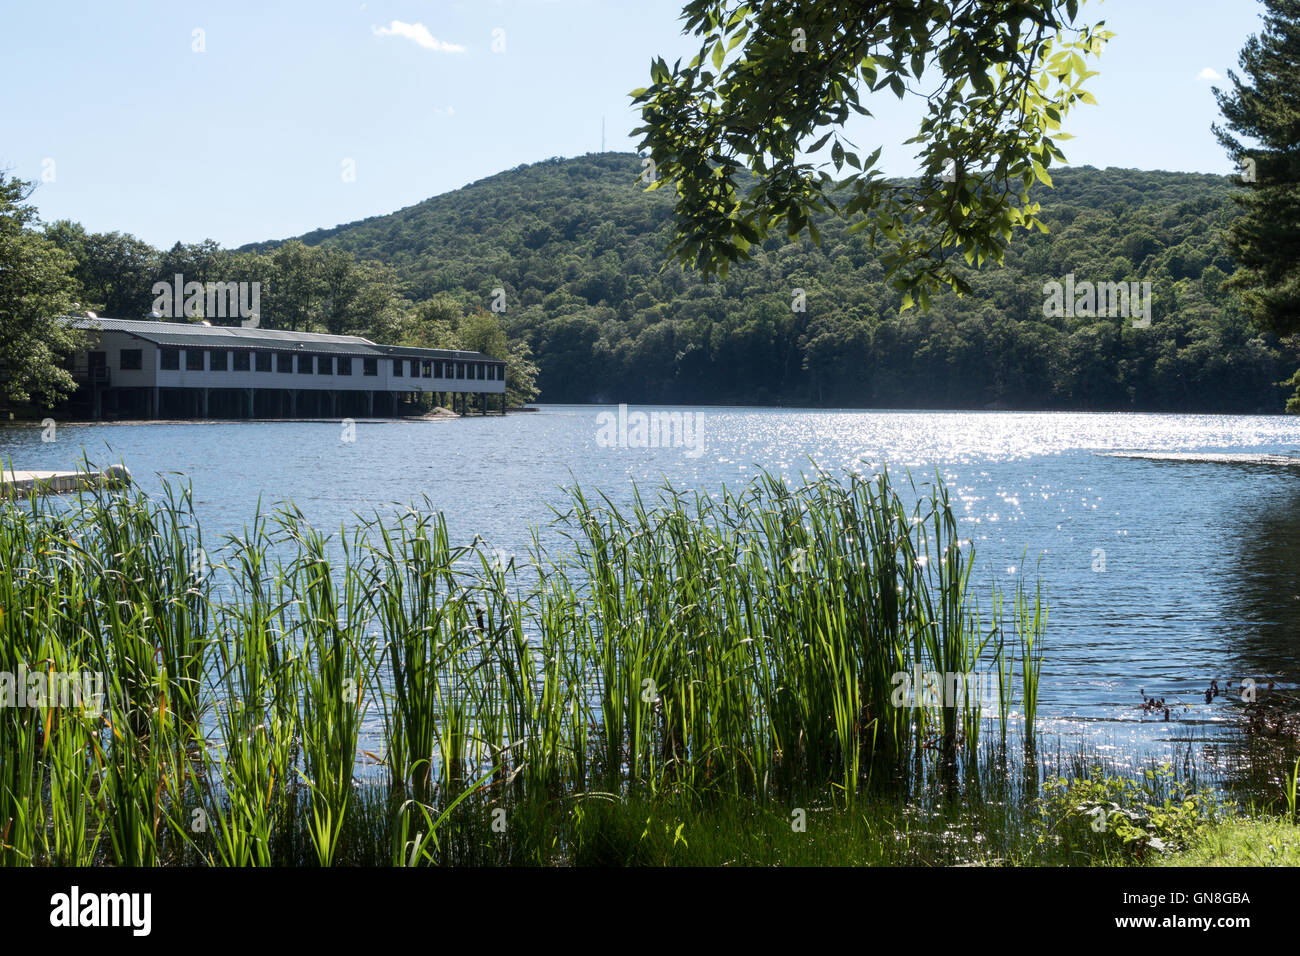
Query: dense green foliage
(578, 249)
(773, 82)
(1262, 107)
(34, 287)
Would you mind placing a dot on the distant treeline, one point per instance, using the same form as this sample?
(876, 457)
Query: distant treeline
(566, 255)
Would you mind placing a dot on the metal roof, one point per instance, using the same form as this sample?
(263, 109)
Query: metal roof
(407, 350)
(193, 335)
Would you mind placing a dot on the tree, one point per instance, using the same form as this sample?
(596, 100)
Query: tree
(1263, 107)
(521, 374)
(116, 271)
(199, 262)
(297, 287)
(36, 287)
(433, 324)
(482, 332)
(1003, 76)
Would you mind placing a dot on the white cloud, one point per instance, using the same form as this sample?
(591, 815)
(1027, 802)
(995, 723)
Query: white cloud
(1208, 74)
(418, 33)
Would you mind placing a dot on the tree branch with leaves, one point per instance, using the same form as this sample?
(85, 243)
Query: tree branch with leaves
(733, 131)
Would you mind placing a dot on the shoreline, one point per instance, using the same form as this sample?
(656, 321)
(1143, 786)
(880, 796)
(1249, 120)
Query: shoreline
(442, 415)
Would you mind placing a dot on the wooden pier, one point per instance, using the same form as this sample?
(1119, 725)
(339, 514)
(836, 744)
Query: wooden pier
(22, 483)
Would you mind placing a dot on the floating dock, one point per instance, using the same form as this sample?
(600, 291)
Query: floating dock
(1210, 458)
(22, 483)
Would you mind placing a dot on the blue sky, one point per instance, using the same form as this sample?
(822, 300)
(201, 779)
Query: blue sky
(132, 129)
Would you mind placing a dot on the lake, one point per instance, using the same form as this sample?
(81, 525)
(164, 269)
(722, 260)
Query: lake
(1161, 575)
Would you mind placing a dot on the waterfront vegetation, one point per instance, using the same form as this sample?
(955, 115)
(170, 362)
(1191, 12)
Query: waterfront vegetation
(693, 679)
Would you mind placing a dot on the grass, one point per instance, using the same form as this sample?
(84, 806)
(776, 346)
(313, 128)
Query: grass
(1266, 841)
(698, 679)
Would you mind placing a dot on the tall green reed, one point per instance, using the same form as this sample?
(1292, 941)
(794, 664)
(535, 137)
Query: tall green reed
(747, 642)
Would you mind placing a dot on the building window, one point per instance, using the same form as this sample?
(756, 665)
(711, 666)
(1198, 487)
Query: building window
(460, 369)
(437, 370)
(171, 359)
(370, 366)
(217, 361)
(324, 365)
(304, 364)
(264, 361)
(427, 371)
(345, 365)
(194, 360)
(397, 367)
(130, 360)
(241, 361)
(284, 361)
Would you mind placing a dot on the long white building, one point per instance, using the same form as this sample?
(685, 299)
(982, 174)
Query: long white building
(148, 369)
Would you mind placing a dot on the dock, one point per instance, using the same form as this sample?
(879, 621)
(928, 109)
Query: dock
(1211, 458)
(22, 483)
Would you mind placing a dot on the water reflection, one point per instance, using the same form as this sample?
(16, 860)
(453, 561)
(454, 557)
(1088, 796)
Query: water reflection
(1263, 619)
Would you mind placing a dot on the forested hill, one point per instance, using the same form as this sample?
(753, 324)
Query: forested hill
(577, 246)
